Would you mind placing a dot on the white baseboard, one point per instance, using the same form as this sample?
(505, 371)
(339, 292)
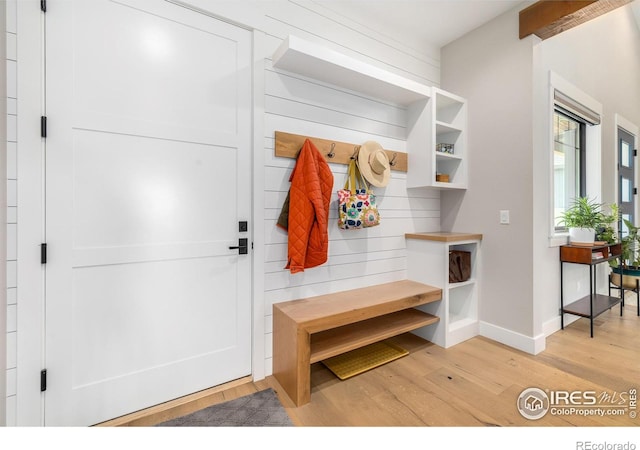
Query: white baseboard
(553, 325)
(527, 344)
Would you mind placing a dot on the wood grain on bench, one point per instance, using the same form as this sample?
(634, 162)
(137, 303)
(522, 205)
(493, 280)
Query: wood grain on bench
(316, 328)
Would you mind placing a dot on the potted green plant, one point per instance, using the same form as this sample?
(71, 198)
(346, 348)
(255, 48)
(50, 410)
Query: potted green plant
(630, 269)
(583, 218)
(606, 229)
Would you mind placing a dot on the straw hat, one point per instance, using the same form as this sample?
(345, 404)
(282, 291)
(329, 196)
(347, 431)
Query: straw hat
(374, 164)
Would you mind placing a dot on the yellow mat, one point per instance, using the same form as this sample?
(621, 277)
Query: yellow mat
(362, 359)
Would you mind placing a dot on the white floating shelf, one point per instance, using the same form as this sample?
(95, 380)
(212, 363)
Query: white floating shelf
(447, 185)
(462, 283)
(447, 156)
(443, 127)
(323, 64)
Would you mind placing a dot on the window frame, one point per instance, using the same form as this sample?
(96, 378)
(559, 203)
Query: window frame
(593, 156)
(582, 136)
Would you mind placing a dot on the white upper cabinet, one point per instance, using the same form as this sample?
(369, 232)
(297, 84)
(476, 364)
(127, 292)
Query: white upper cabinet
(438, 156)
(436, 119)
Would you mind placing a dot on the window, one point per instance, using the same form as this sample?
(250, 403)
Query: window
(575, 150)
(569, 162)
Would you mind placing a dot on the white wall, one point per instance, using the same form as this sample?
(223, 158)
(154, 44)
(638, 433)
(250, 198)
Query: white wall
(493, 69)
(506, 82)
(4, 312)
(602, 59)
(284, 102)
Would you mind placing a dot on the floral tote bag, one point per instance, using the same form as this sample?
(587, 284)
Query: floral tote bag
(356, 202)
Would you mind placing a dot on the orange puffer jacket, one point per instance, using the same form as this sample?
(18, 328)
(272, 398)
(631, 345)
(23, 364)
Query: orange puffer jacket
(310, 195)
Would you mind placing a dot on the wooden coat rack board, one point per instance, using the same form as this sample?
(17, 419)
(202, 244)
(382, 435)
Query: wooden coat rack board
(288, 145)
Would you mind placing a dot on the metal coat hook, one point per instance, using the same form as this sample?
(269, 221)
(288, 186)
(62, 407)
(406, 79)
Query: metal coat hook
(355, 152)
(393, 159)
(331, 153)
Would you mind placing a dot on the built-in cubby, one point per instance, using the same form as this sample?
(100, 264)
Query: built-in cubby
(428, 262)
(462, 308)
(441, 159)
(434, 116)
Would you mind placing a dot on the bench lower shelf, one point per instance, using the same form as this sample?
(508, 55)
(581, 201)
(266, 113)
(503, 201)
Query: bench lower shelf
(349, 337)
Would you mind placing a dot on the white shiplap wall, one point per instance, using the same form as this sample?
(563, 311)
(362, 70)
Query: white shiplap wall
(357, 258)
(296, 105)
(12, 226)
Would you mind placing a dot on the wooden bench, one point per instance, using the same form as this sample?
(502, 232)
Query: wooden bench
(313, 329)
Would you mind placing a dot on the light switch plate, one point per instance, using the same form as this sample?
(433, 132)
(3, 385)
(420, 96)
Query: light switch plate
(504, 217)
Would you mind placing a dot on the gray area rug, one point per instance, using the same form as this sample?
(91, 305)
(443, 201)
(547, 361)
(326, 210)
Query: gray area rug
(261, 409)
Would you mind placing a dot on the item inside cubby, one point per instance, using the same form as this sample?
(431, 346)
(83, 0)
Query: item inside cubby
(444, 148)
(448, 167)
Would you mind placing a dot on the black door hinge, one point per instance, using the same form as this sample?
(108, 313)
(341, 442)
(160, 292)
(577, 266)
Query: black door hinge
(43, 380)
(635, 191)
(635, 152)
(43, 126)
(43, 5)
(43, 253)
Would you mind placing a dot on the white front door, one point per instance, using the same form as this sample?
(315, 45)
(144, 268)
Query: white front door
(148, 173)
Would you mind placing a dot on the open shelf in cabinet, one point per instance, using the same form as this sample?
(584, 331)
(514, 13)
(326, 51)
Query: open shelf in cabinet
(449, 109)
(462, 306)
(441, 156)
(449, 128)
(462, 283)
(460, 323)
(445, 127)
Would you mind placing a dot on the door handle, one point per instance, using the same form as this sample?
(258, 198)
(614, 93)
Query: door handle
(242, 247)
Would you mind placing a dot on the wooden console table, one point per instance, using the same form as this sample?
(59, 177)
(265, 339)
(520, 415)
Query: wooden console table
(594, 304)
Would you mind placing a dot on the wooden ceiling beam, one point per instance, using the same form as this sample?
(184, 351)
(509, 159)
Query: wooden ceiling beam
(546, 18)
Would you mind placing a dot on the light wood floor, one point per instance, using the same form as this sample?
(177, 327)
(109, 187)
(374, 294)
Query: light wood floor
(475, 383)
